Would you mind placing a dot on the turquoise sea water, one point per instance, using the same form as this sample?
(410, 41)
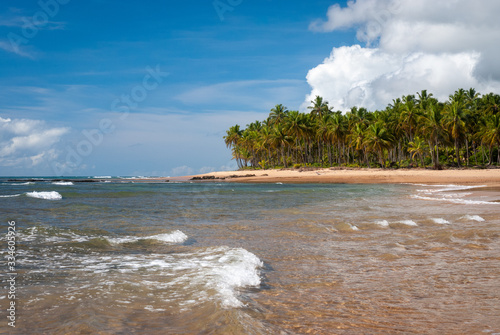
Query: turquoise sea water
(123, 257)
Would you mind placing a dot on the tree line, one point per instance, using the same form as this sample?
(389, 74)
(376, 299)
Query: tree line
(414, 130)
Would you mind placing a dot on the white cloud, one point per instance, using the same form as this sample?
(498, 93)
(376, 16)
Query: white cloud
(411, 45)
(356, 13)
(20, 51)
(27, 143)
(182, 171)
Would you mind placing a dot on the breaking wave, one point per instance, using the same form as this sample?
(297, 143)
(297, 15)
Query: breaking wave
(53, 195)
(473, 218)
(63, 183)
(449, 193)
(10, 196)
(174, 237)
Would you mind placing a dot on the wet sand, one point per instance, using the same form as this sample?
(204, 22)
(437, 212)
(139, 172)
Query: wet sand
(490, 177)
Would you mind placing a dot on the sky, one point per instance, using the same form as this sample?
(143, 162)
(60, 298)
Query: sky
(127, 88)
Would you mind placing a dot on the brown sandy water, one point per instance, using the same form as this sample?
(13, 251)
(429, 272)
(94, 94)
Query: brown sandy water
(257, 259)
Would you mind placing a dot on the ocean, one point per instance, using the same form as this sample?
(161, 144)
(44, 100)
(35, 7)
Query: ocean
(126, 257)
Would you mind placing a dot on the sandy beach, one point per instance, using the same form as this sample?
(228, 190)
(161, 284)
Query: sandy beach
(490, 177)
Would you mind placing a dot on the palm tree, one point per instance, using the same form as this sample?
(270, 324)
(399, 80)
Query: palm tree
(232, 138)
(459, 96)
(491, 135)
(324, 136)
(432, 128)
(278, 114)
(265, 141)
(418, 147)
(424, 100)
(319, 107)
(357, 140)
(409, 115)
(296, 127)
(491, 103)
(338, 130)
(471, 97)
(378, 139)
(281, 140)
(408, 127)
(454, 121)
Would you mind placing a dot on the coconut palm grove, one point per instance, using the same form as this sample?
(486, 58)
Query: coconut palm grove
(412, 131)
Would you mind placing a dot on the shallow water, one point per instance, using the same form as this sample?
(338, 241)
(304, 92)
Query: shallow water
(145, 258)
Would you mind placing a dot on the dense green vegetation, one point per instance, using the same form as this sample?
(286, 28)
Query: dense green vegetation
(412, 131)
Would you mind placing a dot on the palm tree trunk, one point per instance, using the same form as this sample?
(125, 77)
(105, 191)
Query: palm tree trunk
(437, 153)
(432, 153)
(399, 152)
(474, 152)
(283, 156)
(467, 150)
(343, 160)
(329, 148)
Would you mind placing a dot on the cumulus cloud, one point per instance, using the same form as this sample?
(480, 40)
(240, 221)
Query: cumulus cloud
(410, 46)
(27, 143)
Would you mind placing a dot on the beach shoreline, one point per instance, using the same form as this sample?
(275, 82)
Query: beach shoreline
(487, 177)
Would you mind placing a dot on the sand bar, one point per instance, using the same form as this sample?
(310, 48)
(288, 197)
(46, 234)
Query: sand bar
(490, 177)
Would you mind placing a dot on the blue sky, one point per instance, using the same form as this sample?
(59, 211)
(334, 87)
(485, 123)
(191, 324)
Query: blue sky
(107, 87)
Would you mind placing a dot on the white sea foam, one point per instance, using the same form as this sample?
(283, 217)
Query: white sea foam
(102, 177)
(216, 273)
(142, 177)
(445, 188)
(152, 309)
(443, 193)
(53, 195)
(173, 237)
(63, 183)
(237, 268)
(440, 221)
(408, 222)
(456, 201)
(473, 218)
(353, 227)
(9, 196)
(383, 223)
(34, 233)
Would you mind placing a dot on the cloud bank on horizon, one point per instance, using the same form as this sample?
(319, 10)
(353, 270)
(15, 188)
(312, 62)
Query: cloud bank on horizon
(27, 142)
(440, 46)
